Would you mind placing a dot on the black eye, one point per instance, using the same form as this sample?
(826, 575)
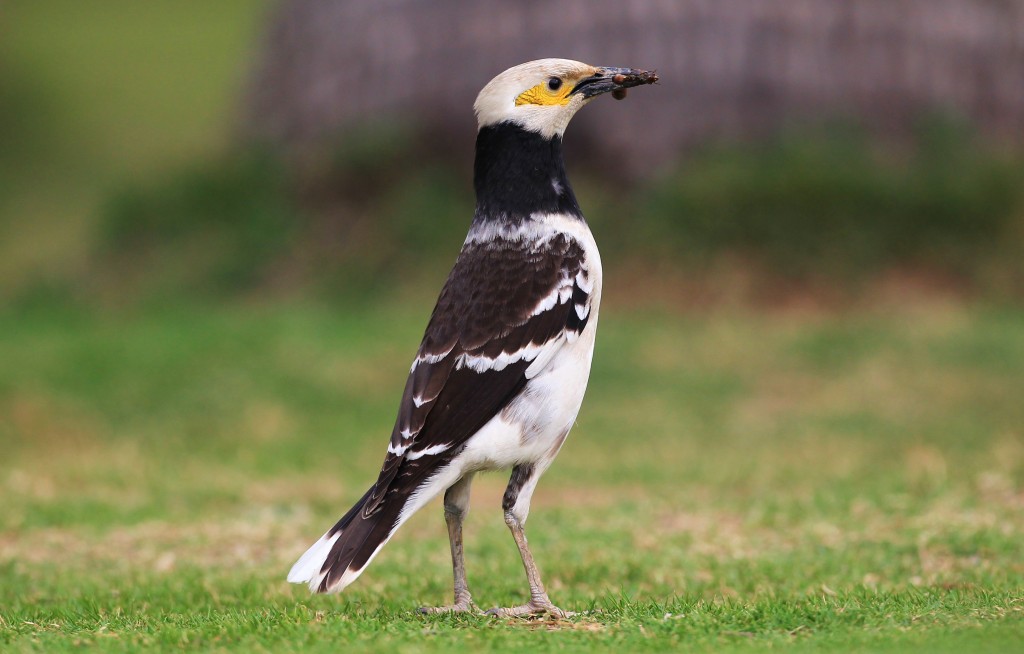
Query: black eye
(555, 83)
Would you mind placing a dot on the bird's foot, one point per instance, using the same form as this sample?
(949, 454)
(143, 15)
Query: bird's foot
(536, 606)
(462, 606)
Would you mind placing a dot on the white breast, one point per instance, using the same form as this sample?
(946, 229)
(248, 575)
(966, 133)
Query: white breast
(534, 425)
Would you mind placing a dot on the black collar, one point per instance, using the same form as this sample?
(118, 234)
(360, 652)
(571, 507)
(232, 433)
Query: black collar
(517, 173)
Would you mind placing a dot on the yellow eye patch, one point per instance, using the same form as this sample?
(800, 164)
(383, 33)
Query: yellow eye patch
(543, 95)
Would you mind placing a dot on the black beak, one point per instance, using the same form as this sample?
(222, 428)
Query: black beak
(613, 79)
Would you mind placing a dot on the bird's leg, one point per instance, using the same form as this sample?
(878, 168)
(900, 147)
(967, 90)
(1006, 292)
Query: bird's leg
(517, 506)
(463, 600)
(539, 602)
(456, 506)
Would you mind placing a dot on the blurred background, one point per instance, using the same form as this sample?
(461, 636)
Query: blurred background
(806, 152)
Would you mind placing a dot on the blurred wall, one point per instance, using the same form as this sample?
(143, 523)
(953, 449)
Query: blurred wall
(729, 67)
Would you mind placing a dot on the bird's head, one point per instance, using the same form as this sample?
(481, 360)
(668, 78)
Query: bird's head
(543, 95)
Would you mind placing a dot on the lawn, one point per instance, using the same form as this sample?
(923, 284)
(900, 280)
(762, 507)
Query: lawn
(737, 481)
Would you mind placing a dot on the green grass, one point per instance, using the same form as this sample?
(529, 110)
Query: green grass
(736, 482)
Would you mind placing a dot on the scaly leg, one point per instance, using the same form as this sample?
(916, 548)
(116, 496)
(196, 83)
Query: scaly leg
(517, 506)
(456, 506)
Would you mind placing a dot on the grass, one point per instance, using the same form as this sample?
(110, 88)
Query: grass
(736, 482)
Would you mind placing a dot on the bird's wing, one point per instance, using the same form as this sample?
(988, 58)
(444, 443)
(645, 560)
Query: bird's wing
(505, 310)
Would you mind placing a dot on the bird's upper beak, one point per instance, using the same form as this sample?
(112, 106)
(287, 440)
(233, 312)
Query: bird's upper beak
(607, 79)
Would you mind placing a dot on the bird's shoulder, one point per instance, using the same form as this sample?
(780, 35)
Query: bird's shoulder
(498, 284)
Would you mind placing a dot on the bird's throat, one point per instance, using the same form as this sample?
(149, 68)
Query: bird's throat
(518, 173)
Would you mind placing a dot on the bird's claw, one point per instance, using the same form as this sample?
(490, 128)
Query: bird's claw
(531, 608)
(458, 607)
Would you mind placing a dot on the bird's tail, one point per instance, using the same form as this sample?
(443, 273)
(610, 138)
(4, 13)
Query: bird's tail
(341, 555)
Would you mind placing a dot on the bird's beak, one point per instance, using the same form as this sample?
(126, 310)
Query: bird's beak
(607, 79)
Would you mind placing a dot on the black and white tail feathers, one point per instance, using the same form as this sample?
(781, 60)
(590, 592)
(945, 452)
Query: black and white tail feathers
(341, 555)
(312, 567)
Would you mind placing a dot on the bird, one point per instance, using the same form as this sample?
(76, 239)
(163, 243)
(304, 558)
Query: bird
(500, 375)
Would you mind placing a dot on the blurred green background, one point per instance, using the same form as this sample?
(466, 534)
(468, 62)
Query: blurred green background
(97, 99)
(129, 172)
(803, 426)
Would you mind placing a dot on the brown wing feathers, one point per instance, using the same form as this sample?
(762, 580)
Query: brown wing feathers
(503, 302)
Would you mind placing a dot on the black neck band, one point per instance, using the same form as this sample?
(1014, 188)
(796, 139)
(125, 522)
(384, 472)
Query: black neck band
(518, 173)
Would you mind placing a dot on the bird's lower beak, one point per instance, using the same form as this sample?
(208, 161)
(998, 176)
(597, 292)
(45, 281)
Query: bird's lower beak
(613, 79)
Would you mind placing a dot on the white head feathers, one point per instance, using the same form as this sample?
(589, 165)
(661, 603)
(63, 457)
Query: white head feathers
(536, 95)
